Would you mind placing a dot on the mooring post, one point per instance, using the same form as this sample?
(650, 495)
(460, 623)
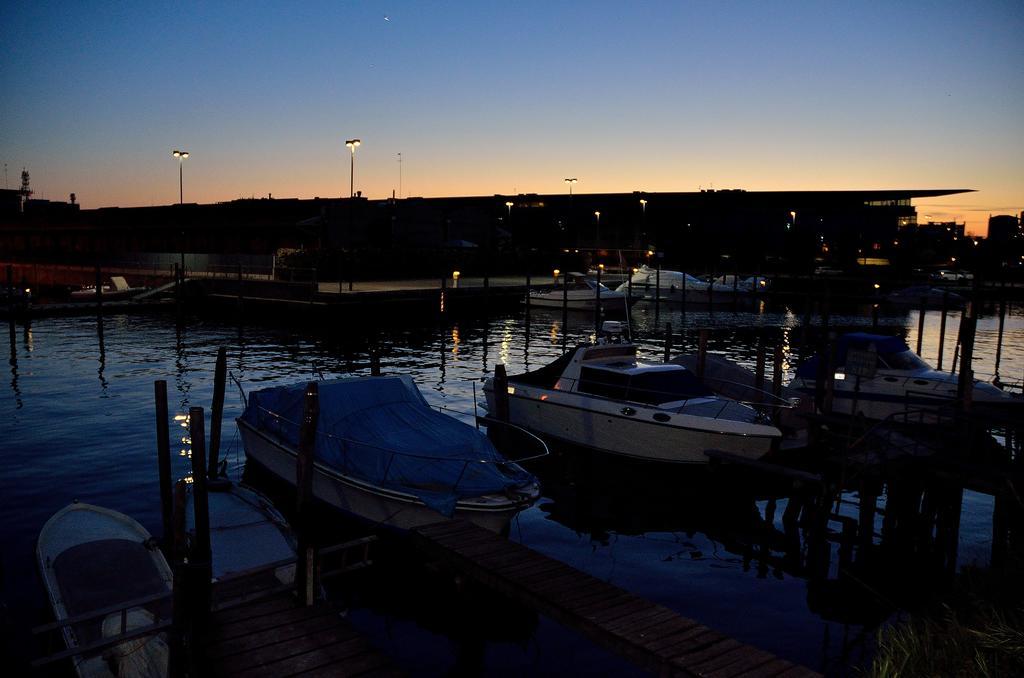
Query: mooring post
(942, 327)
(965, 383)
(668, 341)
(180, 645)
(501, 407)
(868, 505)
(830, 374)
(239, 289)
(99, 286)
(702, 352)
(759, 371)
(597, 303)
(999, 332)
(657, 290)
(305, 572)
(10, 289)
(920, 323)
(682, 297)
(444, 286)
(200, 560)
(374, 362)
(777, 371)
(163, 458)
(220, 376)
(565, 310)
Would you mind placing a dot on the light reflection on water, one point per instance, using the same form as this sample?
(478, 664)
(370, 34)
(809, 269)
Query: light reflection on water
(76, 421)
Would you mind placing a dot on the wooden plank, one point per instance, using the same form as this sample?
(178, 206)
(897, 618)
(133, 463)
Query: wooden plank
(480, 548)
(525, 569)
(725, 662)
(546, 579)
(752, 659)
(692, 659)
(275, 634)
(435, 531)
(658, 616)
(772, 668)
(354, 665)
(454, 540)
(284, 648)
(614, 608)
(251, 625)
(256, 609)
(799, 672)
(330, 655)
(692, 638)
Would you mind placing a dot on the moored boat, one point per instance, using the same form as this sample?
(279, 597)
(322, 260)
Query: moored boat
(118, 289)
(601, 397)
(581, 295)
(878, 376)
(383, 455)
(92, 560)
(677, 286)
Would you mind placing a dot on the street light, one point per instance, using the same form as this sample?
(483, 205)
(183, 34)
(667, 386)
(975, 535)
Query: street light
(181, 156)
(571, 181)
(352, 144)
(509, 206)
(598, 215)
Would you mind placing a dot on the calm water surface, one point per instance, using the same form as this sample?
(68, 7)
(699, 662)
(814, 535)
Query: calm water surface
(77, 422)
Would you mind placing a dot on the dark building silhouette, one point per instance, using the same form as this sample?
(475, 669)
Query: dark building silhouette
(1003, 228)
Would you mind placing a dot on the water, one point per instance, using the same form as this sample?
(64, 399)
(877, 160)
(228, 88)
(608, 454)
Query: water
(77, 422)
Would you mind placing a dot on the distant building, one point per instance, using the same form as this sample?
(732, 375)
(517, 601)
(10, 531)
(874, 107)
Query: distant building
(1003, 228)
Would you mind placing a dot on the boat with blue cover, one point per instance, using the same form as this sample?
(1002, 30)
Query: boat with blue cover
(899, 381)
(384, 455)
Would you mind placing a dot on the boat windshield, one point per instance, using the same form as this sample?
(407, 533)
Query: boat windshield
(650, 388)
(903, 360)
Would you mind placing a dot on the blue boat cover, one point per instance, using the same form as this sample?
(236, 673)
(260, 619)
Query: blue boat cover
(381, 430)
(885, 345)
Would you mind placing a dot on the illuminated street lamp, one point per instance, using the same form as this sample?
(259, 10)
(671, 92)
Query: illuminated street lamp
(352, 145)
(181, 156)
(571, 181)
(508, 204)
(598, 216)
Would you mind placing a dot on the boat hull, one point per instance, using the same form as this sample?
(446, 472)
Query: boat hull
(371, 503)
(601, 425)
(578, 303)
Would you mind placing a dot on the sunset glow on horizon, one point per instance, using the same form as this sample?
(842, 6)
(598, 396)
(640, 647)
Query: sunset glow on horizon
(482, 99)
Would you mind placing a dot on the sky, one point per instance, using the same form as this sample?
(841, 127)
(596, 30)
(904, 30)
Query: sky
(498, 97)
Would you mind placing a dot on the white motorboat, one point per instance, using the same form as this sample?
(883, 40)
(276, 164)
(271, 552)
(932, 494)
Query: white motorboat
(383, 455)
(94, 559)
(930, 297)
(601, 397)
(581, 295)
(676, 286)
(896, 381)
(119, 289)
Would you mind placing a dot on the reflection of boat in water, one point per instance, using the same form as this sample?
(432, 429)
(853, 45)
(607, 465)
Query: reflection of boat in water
(577, 292)
(899, 380)
(677, 286)
(382, 454)
(118, 290)
(600, 396)
(94, 559)
(930, 297)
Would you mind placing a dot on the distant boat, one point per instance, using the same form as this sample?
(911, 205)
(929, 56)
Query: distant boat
(383, 455)
(677, 286)
(931, 297)
(91, 559)
(118, 290)
(581, 295)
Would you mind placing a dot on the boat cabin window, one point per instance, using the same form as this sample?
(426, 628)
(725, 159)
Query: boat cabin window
(654, 388)
(649, 388)
(605, 383)
(904, 360)
(574, 284)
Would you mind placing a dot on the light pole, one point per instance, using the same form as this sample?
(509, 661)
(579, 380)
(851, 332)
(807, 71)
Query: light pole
(643, 218)
(508, 204)
(181, 156)
(571, 181)
(399, 176)
(598, 215)
(352, 144)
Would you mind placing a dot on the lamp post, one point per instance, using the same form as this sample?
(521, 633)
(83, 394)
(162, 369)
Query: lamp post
(598, 238)
(352, 145)
(571, 181)
(181, 156)
(508, 204)
(643, 218)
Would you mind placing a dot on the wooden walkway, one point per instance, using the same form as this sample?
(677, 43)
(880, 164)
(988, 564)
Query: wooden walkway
(276, 637)
(655, 637)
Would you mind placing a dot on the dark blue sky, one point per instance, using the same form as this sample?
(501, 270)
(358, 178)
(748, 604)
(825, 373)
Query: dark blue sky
(489, 97)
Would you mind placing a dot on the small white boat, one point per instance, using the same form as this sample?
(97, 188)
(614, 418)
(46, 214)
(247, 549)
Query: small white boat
(246, 532)
(581, 295)
(676, 286)
(119, 289)
(601, 397)
(931, 297)
(383, 455)
(901, 381)
(91, 559)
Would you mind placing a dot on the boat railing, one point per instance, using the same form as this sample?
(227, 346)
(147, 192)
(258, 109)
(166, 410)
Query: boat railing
(154, 603)
(490, 421)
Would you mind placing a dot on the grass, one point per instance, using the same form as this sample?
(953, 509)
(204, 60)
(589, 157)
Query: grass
(977, 631)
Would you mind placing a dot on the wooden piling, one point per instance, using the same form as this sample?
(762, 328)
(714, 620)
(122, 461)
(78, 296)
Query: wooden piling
(657, 291)
(759, 372)
(777, 360)
(240, 290)
(374, 362)
(220, 375)
(942, 328)
(597, 304)
(920, 323)
(668, 341)
(99, 286)
(10, 290)
(565, 311)
(702, 352)
(305, 571)
(200, 560)
(500, 393)
(999, 333)
(965, 384)
(163, 457)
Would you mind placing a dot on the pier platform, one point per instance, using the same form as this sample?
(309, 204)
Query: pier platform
(653, 636)
(276, 637)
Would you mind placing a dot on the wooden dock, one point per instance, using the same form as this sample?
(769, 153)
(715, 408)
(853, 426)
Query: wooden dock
(655, 637)
(277, 637)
